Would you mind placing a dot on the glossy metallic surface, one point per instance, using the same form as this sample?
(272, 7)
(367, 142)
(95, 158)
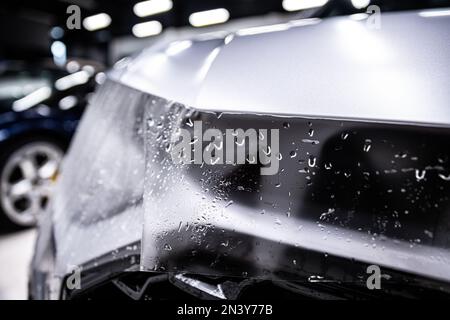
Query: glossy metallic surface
(336, 68)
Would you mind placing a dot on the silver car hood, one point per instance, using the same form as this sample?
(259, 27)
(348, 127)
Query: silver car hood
(334, 68)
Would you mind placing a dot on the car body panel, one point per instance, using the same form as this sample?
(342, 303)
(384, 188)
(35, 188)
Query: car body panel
(371, 74)
(344, 188)
(102, 200)
(99, 196)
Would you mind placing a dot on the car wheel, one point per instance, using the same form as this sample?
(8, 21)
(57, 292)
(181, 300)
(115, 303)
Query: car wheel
(27, 175)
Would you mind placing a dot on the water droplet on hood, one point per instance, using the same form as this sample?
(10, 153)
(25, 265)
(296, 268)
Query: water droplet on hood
(367, 145)
(269, 150)
(428, 233)
(261, 135)
(312, 161)
(420, 174)
(327, 214)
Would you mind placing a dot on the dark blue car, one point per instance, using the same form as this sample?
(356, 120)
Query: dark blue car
(40, 106)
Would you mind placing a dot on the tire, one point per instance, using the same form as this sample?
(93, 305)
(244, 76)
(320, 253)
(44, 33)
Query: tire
(28, 169)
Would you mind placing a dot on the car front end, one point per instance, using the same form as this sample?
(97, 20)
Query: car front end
(204, 170)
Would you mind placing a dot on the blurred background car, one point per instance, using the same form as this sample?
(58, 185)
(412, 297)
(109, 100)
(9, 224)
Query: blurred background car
(40, 106)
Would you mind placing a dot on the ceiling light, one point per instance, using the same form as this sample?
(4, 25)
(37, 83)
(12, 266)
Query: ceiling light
(32, 99)
(151, 7)
(72, 80)
(360, 4)
(96, 22)
(296, 5)
(209, 17)
(147, 29)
